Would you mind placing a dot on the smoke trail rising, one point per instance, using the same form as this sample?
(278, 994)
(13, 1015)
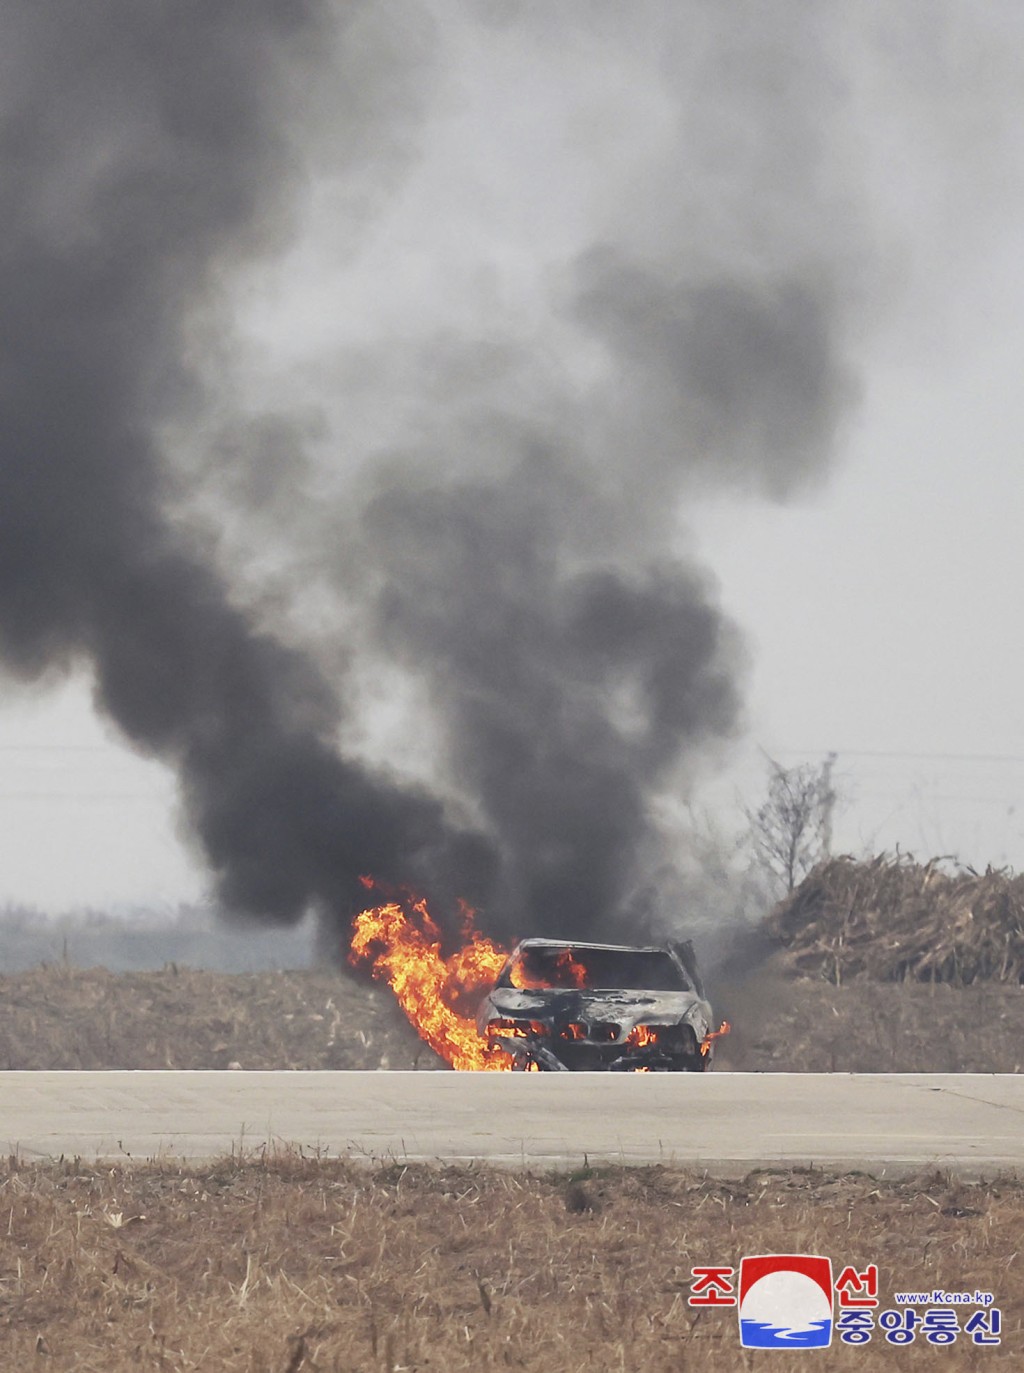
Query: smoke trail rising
(529, 538)
(589, 263)
(143, 147)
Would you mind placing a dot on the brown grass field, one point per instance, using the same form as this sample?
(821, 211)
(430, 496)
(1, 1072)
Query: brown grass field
(285, 1264)
(276, 1265)
(64, 1017)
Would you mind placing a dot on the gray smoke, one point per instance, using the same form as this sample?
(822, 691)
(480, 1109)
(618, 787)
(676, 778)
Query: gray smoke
(144, 147)
(508, 525)
(529, 543)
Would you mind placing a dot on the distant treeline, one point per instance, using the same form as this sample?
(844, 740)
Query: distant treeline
(140, 939)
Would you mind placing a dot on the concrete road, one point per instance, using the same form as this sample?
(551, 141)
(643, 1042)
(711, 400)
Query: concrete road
(726, 1122)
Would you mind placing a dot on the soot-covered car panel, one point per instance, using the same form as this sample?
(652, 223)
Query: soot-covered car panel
(599, 1007)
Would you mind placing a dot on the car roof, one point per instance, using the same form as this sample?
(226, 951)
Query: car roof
(582, 944)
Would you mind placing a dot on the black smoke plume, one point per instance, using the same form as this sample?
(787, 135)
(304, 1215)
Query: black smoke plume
(144, 147)
(530, 552)
(518, 544)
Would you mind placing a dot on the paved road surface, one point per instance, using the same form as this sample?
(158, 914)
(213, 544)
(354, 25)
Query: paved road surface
(725, 1122)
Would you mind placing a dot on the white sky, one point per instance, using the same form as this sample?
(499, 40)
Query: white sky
(881, 610)
(882, 613)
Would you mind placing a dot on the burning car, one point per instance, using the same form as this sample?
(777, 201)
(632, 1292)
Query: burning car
(570, 1007)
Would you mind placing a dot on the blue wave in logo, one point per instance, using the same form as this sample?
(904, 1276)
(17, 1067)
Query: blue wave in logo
(765, 1335)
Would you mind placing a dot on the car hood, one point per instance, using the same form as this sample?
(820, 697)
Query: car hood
(626, 1008)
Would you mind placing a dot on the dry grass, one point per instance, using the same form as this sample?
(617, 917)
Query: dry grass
(62, 1017)
(290, 1265)
(286, 1264)
(782, 1024)
(895, 920)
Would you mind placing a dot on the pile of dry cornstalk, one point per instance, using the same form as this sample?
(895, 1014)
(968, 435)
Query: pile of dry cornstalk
(896, 920)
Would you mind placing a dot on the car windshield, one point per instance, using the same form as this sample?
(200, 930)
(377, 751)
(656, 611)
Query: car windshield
(567, 966)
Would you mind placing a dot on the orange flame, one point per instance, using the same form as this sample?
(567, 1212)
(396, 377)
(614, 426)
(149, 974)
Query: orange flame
(575, 971)
(517, 1029)
(705, 1044)
(569, 973)
(403, 945)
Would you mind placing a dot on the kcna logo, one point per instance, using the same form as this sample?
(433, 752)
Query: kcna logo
(785, 1301)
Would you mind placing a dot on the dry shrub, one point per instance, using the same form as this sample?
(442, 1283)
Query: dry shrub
(291, 1265)
(895, 920)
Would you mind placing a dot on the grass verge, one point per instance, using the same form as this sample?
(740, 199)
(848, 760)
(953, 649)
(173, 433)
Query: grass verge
(287, 1264)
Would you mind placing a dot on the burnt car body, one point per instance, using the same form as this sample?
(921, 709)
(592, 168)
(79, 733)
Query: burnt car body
(562, 1006)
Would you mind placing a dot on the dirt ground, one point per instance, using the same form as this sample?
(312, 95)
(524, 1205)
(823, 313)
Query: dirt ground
(288, 1264)
(64, 1017)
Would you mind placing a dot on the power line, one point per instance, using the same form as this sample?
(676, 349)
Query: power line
(65, 748)
(901, 753)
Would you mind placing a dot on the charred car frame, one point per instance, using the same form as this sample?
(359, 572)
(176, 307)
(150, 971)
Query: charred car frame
(562, 1006)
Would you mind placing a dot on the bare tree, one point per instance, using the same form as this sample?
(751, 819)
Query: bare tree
(792, 828)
